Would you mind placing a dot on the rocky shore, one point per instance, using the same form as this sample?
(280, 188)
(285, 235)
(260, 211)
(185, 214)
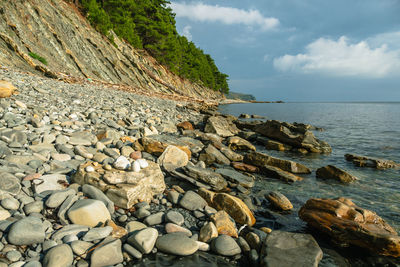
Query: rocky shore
(93, 176)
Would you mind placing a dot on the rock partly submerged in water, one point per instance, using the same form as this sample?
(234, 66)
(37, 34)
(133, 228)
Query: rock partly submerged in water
(362, 161)
(296, 135)
(348, 225)
(333, 172)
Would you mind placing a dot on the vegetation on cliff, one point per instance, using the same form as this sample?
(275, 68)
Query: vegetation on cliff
(150, 25)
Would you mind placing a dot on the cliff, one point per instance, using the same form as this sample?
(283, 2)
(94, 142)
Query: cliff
(56, 31)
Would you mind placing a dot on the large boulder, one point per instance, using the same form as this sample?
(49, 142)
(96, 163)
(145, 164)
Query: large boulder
(260, 160)
(362, 161)
(234, 206)
(207, 176)
(124, 188)
(221, 126)
(348, 224)
(333, 172)
(290, 249)
(296, 135)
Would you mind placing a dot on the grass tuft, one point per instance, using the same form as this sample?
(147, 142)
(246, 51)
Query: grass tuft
(36, 56)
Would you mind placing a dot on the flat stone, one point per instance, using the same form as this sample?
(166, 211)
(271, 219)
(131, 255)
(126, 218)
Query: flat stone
(177, 244)
(174, 217)
(236, 177)
(27, 231)
(154, 219)
(58, 197)
(95, 193)
(211, 154)
(173, 228)
(88, 212)
(215, 180)
(173, 196)
(144, 240)
(49, 182)
(225, 245)
(59, 256)
(134, 226)
(221, 126)
(237, 143)
(108, 253)
(10, 203)
(192, 201)
(132, 251)
(81, 248)
(97, 233)
(9, 184)
(70, 229)
(33, 207)
(290, 249)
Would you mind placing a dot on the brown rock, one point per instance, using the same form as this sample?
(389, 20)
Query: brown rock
(135, 155)
(185, 126)
(244, 167)
(237, 143)
(333, 172)
(234, 206)
(275, 172)
(6, 89)
(223, 223)
(275, 145)
(279, 201)
(156, 144)
(260, 160)
(118, 231)
(348, 224)
(362, 161)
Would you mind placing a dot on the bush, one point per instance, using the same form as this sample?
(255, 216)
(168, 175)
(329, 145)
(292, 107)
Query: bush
(36, 56)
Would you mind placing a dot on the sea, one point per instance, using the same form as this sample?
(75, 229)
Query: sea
(369, 129)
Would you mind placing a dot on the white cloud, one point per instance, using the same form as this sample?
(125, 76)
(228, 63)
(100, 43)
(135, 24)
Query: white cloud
(342, 58)
(186, 32)
(226, 15)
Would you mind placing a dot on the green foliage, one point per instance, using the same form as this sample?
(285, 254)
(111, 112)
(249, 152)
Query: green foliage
(36, 56)
(150, 24)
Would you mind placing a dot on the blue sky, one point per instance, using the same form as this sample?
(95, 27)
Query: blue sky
(300, 50)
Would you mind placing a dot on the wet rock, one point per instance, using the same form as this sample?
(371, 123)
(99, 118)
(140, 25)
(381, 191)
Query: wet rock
(58, 256)
(275, 172)
(362, 161)
(177, 244)
(294, 135)
(348, 225)
(221, 126)
(173, 158)
(225, 245)
(215, 180)
(224, 224)
(88, 212)
(279, 201)
(298, 250)
(244, 167)
(333, 172)
(237, 143)
(260, 160)
(275, 145)
(27, 231)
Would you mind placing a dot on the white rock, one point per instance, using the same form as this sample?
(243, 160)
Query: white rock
(143, 163)
(89, 169)
(136, 166)
(121, 163)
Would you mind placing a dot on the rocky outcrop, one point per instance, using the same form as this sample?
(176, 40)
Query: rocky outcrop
(56, 31)
(296, 135)
(221, 126)
(348, 225)
(333, 172)
(362, 161)
(260, 160)
(124, 188)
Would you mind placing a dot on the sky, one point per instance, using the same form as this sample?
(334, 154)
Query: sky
(300, 50)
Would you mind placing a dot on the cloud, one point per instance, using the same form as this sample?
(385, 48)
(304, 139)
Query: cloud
(342, 58)
(186, 32)
(226, 15)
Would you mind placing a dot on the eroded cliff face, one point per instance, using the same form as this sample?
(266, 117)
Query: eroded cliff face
(55, 30)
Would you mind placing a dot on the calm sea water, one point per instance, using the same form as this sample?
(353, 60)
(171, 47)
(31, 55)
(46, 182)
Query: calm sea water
(371, 129)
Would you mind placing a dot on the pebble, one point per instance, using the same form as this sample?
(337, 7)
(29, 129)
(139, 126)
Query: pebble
(60, 256)
(225, 245)
(97, 233)
(88, 212)
(174, 217)
(121, 163)
(107, 254)
(132, 251)
(10, 203)
(173, 228)
(26, 231)
(173, 196)
(192, 201)
(13, 255)
(144, 240)
(154, 219)
(134, 226)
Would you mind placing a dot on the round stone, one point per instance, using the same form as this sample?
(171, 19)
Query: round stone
(88, 212)
(225, 245)
(27, 231)
(60, 256)
(13, 255)
(121, 163)
(177, 244)
(10, 203)
(174, 217)
(144, 240)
